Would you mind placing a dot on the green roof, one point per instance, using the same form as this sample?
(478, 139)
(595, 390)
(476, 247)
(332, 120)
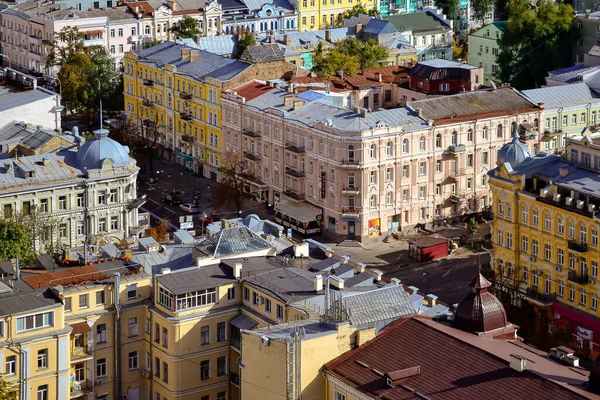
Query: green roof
(417, 22)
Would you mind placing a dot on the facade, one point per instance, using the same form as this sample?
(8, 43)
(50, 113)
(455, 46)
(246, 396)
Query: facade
(174, 90)
(441, 77)
(323, 14)
(484, 49)
(429, 31)
(40, 106)
(545, 238)
(587, 23)
(258, 17)
(365, 174)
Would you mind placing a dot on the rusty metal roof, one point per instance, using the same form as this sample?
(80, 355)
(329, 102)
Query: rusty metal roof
(480, 311)
(64, 277)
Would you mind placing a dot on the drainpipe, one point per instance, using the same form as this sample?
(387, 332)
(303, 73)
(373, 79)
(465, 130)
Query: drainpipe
(117, 322)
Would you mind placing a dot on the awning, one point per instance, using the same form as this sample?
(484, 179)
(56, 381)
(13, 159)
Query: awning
(243, 322)
(299, 213)
(91, 32)
(80, 328)
(528, 126)
(185, 156)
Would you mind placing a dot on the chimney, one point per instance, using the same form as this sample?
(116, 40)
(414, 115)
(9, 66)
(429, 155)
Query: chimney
(287, 40)
(360, 267)
(419, 111)
(318, 283)
(194, 55)
(136, 9)
(431, 300)
(396, 281)
(288, 101)
(237, 270)
(358, 28)
(413, 290)
(172, 4)
(378, 275)
(378, 77)
(8, 166)
(165, 271)
(185, 54)
(45, 161)
(298, 104)
(541, 105)
(328, 35)
(518, 363)
(272, 39)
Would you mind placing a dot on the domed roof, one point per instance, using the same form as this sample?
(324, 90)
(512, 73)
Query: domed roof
(480, 311)
(514, 152)
(93, 152)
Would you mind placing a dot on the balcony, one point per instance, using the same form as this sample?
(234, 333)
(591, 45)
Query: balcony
(81, 389)
(455, 199)
(252, 156)
(254, 180)
(235, 379)
(580, 279)
(148, 123)
(350, 189)
(293, 172)
(185, 116)
(250, 133)
(294, 148)
(350, 212)
(456, 148)
(93, 42)
(79, 354)
(294, 194)
(457, 173)
(35, 40)
(533, 294)
(140, 201)
(185, 96)
(188, 138)
(528, 136)
(577, 247)
(147, 103)
(134, 38)
(148, 82)
(235, 343)
(350, 163)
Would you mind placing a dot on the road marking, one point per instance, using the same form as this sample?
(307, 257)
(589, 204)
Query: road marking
(154, 201)
(171, 211)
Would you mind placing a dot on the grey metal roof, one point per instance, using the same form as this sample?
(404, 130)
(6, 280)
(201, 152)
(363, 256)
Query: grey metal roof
(208, 65)
(173, 257)
(387, 303)
(561, 95)
(15, 303)
(582, 180)
(262, 53)
(302, 42)
(398, 42)
(223, 45)
(232, 241)
(439, 63)
(94, 153)
(242, 321)
(257, 5)
(418, 22)
(574, 74)
(198, 279)
(379, 27)
(10, 99)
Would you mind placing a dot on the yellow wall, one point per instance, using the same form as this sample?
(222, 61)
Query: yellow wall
(312, 12)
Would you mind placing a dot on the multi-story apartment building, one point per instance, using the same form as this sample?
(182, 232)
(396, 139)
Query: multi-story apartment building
(442, 77)
(258, 18)
(587, 23)
(322, 14)
(362, 173)
(545, 236)
(484, 49)
(176, 89)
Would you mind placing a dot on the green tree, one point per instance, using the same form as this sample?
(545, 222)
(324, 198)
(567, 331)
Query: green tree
(358, 10)
(449, 7)
(481, 8)
(7, 391)
(460, 49)
(188, 28)
(348, 56)
(232, 193)
(16, 243)
(244, 42)
(41, 228)
(473, 226)
(537, 39)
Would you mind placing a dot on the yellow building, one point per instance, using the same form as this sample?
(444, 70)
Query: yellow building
(173, 96)
(322, 14)
(545, 236)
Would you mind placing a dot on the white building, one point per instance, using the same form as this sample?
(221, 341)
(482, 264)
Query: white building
(40, 106)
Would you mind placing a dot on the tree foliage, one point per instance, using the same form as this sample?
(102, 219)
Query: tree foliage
(16, 243)
(41, 228)
(348, 56)
(449, 7)
(160, 232)
(358, 10)
(188, 28)
(245, 42)
(460, 49)
(481, 8)
(232, 193)
(538, 39)
(8, 391)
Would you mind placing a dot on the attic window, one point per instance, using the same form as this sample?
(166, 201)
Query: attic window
(30, 174)
(381, 124)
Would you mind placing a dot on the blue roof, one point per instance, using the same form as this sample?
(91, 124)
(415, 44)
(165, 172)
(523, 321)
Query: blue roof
(311, 95)
(94, 152)
(560, 95)
(379, 27)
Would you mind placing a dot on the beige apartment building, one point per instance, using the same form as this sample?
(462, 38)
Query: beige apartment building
(367, 174)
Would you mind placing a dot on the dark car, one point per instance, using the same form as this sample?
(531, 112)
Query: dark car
(172, 199)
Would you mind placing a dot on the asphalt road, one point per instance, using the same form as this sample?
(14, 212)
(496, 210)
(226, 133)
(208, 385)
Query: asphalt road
(448, 279)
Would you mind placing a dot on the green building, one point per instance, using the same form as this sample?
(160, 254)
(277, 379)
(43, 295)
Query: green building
(484, 49)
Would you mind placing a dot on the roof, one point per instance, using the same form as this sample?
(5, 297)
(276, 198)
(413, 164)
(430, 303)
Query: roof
(385, 304)
(442, 70)
(561, 95)
(63, 277)
(418, 22)
(379, 27)
(12, 99)
(143, 7)
(362, 79)
(51, 11)
(256, 5)
(174, 257)
(450, 368)
(243, 322)
(94, 153)
(224, 45)
(262, 53)
(429, 241)
(208, 65)
(577, 73)
(197, 279)
(473, 104)
(232, 241)
(15, 303)
(302, 42)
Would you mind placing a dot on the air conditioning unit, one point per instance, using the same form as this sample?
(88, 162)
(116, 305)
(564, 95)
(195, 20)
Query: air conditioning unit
(260, 300)
(533, 258)
(559, 268)
(265, 341)
(568, 201)
(100, 381)
(146, 373)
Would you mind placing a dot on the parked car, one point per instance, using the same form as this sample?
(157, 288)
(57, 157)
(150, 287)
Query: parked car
(171, 199)
(189, 208)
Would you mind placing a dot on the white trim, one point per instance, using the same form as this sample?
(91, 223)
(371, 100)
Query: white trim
(344, 388)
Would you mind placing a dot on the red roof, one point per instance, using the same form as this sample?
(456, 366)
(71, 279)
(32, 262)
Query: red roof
(449, 368)
(252, 90)
(64, 277)
(142, 7)
(431, 241)
(364, 78)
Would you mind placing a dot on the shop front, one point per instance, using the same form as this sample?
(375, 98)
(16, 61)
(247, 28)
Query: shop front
(301, 217)
(581, 329)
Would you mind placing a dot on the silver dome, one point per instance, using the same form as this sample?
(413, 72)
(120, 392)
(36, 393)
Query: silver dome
(93, 153)
(514, 152)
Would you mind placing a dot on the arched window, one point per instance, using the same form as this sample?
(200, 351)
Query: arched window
(422, 143)
(499, 132)
(389, 149)
(351, 153)
(373, 201)
(147, 29)
(331, 151)
(165, 30)
(405, 146)
(438, 140)
(373, 152)
(389, 198)
(484, 132)
(470, 135)
(454, 138)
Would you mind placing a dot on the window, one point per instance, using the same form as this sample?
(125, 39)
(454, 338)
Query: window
(594, 237)
(132, 291)
(582, 235)
(389, 174)
(42, 359)
(222, 366)
(534, 247)
(100, 298)
(204, 370)
(560, 257)
(11, 365)
(470, 135)
(561, 288)
(547, 221)
(165, 337)
(148, 326)
(279, 311)
(389, 198)
(508, 210)
(133, 360)
(389, 149)
(438, 141)
(422, 168)
(547, 252)
(42, 392)
(101, 333)
(500, 208)
(222, 331)
(101, 197)
(509, 240)
(524, 213)
(405, 146)
(405, 171)
(571, 293)
(156, 367)
(231, 294)
(422, 143)
(373, 177)
(83, 301)
(594, 301)
(222, 396)
(132, 325)
(594, 269)
(165, 376)
(571, 230)
(101, 367)
(444, 87)
(499, 131)
(67, 303)
(62, 203)
(205, 335)
(524, 244)
(561, 226)
(534, 217)
(339, 396)
(246, 294)
(470, 160)
(484, 132)
(500, 237)
(422, 192)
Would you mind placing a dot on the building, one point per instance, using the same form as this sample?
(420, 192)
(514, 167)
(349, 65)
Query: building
(40, 106)
(442, 77)
(583, 72)
(545, 237)
(429, 248)
(364, 174)
(567, 111)
(86, 191)
(258, 18)
(173, 90)
(586, 22)
(316, 15)
(21, 139)
(429, 32)
(484, 49)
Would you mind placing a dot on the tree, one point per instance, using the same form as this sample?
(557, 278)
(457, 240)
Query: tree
(8, 391)
(16, 243)
(244, 42)
(481, 8)
(358, 10)
(41, 228)
(160, 232)
(232, 193)
(460, 49)
(188, 28)
(537, 39)
(473, 226)
(449, 7)
(348, 56)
